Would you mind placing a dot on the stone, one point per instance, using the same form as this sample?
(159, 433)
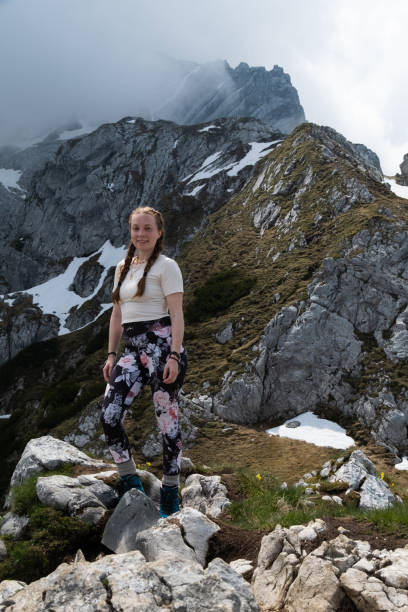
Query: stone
(206, 494)
(128, 582)
(49, 453)
(307, 534)
(3, 550)
(162, 540)
(355, 470)
(8, 588)
(369, 594)
(66, 494)
(374, 494)
(13, 525)
(243, 567)
(197, 530)
(316, 587)
(270, 585)
(135, 512)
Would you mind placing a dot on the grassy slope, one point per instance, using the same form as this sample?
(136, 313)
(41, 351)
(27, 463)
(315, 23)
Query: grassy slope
(228, 237)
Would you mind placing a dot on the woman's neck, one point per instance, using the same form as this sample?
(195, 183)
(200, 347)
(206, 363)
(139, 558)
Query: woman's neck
(142, 256)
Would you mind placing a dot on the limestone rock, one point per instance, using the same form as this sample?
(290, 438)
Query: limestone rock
(66, 494)
(206, 494)
(13, 525)
(128, 582)
(375, 494)
(48, 453)
(135, 512)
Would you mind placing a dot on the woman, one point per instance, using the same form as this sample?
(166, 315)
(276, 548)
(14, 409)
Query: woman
(148, 286)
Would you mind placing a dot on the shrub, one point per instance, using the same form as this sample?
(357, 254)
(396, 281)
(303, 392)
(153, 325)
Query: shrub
(217, 294)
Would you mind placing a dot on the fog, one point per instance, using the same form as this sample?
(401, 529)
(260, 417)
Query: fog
(100, 60)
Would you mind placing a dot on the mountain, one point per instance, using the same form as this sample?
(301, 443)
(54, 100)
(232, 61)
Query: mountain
(295, 300)
(69, 228)
(212, 90)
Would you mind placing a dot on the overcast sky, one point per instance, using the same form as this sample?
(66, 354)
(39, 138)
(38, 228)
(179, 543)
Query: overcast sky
(94, 59)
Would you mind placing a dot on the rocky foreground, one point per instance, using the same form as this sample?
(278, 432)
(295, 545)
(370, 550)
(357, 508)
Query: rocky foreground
(150, 563)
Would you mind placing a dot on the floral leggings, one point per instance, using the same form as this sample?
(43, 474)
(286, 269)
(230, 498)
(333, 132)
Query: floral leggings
(147, 347)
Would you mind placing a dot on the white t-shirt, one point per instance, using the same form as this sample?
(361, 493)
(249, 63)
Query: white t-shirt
(163, 278)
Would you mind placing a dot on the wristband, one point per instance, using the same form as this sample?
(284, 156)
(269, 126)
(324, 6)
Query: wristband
(176, 354)
(112, 353)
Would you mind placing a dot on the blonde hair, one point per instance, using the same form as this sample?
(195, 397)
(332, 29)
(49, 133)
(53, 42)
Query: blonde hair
(158, 247)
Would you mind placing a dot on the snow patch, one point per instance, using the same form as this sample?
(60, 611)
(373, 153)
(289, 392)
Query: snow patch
(9, 178)
(314, 430)
(209, 127)
(403, 465)
(399, 190)
(54, 297)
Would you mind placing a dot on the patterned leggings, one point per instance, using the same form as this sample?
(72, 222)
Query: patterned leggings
(147, 347)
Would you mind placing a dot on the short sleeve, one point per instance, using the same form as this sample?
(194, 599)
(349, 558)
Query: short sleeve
(171, 278)
(116, 277)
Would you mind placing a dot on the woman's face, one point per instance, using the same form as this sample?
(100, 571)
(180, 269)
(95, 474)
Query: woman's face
(144, 232)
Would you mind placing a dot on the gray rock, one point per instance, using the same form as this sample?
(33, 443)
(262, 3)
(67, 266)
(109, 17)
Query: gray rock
(9, 587)
(225, 334)
(357, 468)
(243, 567)
(197, 530)
(13, 525)
(68, 495)
(375, 494)
(370, 594)
(163, 540)
(128, 582)
(206, 494)
(134, 513)
(49, 453)
(3, 550)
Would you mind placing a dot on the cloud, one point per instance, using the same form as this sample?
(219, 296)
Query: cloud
(100, 60)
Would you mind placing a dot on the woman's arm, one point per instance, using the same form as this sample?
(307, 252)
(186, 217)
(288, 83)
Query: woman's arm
(115, 334)
(175, 305)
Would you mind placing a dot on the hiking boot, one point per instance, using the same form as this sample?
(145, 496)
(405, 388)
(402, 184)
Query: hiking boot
(169, 501)
(130, 481)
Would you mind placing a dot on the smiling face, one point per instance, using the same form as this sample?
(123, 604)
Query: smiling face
(144, 233)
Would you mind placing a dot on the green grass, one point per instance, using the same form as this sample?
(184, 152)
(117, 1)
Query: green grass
(264, 505)
(23, 496)
(218, 293)
(51, 536)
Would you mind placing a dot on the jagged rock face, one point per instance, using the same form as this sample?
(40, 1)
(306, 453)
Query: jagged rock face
(215, 90)
(403, 179)
(83, 195)
(306, 205)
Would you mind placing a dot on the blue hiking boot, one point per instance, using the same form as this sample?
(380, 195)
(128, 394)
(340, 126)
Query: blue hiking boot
(169, 501)
(130, 481)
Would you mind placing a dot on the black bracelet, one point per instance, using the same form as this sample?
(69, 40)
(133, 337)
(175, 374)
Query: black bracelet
(112, 353)
(176, 354)
(175, 358)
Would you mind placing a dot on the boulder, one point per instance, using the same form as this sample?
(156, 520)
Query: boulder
(128, 582)
(13, 525)
(206, 494)
(68, 495)
(135, 512)
(49, 453)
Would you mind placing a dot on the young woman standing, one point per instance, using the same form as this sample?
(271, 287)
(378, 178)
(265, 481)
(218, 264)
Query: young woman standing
(147, 309)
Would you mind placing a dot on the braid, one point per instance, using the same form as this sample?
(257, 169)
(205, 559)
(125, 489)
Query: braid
(156, 252)
(124, 270)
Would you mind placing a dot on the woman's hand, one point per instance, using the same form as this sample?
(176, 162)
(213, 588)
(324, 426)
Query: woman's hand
(171, 370)
(108, 367)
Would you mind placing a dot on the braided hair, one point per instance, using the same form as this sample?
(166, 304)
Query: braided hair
(158, 247)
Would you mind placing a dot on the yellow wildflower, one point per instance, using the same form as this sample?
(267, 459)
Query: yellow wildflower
(392, 484)
(259, 477)
(382, 475)
(148, 463)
